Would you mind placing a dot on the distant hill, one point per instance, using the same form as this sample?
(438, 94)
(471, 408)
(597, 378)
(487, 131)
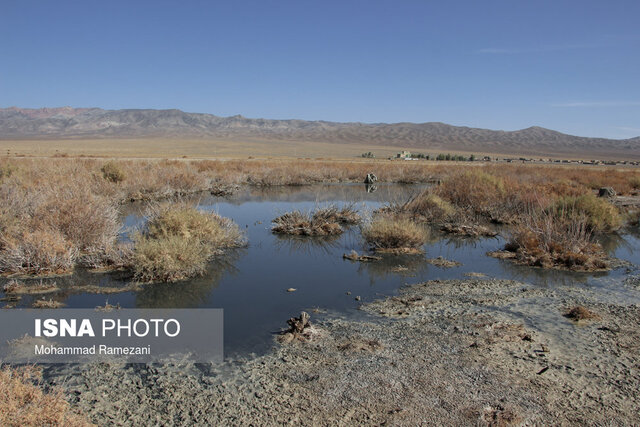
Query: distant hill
(70, 123)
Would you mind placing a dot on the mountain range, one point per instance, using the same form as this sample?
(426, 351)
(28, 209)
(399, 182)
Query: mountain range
(95, 123)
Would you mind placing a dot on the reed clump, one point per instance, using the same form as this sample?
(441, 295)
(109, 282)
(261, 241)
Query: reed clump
(562, 241)
(384, 234)
(178, 242)
(324, 221)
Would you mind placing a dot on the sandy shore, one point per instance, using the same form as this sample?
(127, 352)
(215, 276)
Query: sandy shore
(452, 352)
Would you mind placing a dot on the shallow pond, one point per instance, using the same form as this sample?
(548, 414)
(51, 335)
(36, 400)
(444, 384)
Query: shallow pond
(251, 283)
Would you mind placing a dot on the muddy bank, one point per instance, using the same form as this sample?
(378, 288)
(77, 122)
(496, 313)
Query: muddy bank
(439, 353)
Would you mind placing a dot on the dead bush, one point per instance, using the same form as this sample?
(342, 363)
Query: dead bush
(23, 401)
(322, 222)
(557, 241)
(38, 252)
(394, 235)
(113, 172)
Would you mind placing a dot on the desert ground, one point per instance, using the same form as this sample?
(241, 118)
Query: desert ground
(204, 148)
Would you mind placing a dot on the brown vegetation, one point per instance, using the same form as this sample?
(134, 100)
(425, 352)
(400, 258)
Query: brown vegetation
(44, 303)
(579, 312)
(179, 240)
(113, 172)
(556, 241)
(60, 213)
(18, 288)
(321, 222)
(48, 223)
(395, 236)
(23, 401)
(355, 256)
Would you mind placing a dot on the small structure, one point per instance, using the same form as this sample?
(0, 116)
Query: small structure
(403, 155)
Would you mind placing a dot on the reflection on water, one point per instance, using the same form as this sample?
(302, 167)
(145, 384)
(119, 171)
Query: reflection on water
(251, 283)
(287, 245)
(189, 294)
(404, 266)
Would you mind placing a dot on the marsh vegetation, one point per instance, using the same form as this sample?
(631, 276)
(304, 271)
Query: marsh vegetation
(62, 213)
(323, 221)
(547, 217)
(178, 241)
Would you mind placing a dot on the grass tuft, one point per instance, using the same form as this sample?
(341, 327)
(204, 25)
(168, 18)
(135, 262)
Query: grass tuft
(396, 236)
(179, 241)
(323, 222)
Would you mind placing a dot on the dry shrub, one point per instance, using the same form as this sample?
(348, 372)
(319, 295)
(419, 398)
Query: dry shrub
(113, 172)
(477, 193)
(43, 251)
(394, 235)
(19, 288)
(473, 190)
(188, 223)
(45, 231)
(348, 214)
(47, 303)
(86, 220)
(298, 223)
(634, 182)
(563, 187)
(179, 241)
(551, 240)
(110, 257)
(322, 222)
(168, 259)
(159, 180)
(601, 216)
(6, 169)
(424, 207)
(23, 401)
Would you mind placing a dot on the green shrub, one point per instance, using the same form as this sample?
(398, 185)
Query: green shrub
(600, 215)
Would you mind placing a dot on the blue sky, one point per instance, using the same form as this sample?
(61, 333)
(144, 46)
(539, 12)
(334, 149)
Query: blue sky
(573, 66)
